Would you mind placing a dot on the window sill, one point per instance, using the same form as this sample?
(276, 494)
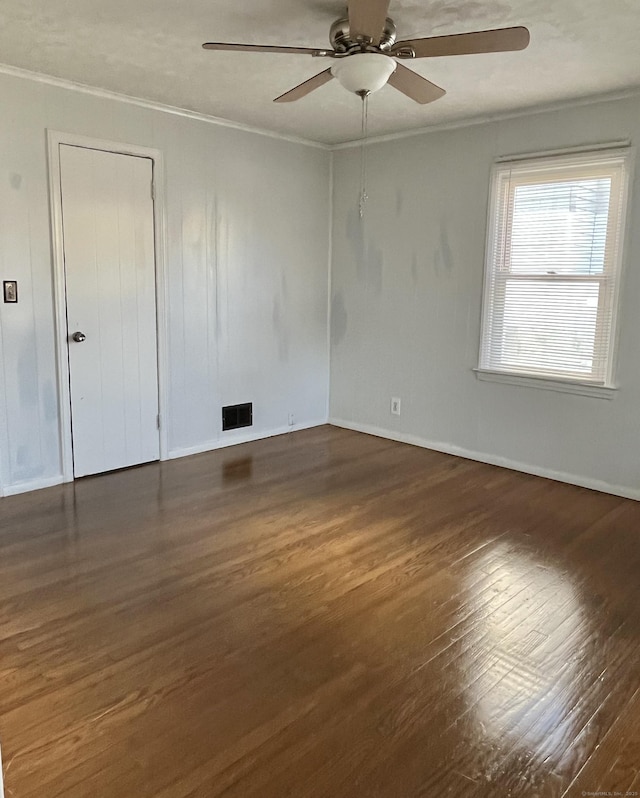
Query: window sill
(548, 384)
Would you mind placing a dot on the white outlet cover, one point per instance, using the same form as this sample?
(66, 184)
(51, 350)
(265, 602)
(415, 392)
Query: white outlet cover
(395, 405)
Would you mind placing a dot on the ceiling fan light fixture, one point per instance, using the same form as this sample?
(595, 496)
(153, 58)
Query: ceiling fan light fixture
(363, 72)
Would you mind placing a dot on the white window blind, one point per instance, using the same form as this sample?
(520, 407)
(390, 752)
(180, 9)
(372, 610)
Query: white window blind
(553, 264)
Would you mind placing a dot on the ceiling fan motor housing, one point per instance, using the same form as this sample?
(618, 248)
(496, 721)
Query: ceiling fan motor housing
(341, 41)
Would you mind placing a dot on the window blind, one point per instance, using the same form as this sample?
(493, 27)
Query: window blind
(553, 264)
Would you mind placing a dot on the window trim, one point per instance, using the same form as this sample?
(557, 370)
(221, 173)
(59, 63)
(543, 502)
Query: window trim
(563, 383)
(559, 384)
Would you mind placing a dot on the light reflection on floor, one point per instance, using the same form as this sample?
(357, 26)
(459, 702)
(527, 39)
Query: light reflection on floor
(530, 635)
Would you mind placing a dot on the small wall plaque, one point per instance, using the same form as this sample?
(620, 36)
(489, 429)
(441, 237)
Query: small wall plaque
(10, 288)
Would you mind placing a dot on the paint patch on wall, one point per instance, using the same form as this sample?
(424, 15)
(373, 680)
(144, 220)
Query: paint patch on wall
(339, 319)
(15, 180)
(414, 268)
(443, 258)
(368, 257)
(27, 377)
(280, 329)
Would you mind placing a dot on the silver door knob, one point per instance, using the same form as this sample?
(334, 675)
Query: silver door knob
(79, 337)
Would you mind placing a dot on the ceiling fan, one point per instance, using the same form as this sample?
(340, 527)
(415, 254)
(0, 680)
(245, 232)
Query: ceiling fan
(365, 50)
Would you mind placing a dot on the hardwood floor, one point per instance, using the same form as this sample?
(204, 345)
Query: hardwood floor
(320, 614)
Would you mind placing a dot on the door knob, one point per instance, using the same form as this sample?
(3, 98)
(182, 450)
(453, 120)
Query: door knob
(79, 337)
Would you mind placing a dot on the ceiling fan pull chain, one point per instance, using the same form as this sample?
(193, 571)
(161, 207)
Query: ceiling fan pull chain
(363, 155)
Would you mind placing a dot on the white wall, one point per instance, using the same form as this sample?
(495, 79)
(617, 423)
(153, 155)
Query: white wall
(247, 230)
(406, 304)
(247, 220)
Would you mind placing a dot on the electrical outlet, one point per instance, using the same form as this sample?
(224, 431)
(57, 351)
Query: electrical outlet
(292, 419)
(395, 405)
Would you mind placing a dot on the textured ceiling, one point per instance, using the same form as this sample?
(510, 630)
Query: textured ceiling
(151, 49)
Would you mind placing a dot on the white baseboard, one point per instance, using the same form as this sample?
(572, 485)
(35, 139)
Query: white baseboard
(222, 443)
(32, 484)
(491, 459)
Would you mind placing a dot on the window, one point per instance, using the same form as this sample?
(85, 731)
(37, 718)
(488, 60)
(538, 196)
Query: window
(553, 265)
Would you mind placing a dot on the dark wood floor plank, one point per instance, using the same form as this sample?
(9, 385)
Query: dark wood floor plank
(322, 614)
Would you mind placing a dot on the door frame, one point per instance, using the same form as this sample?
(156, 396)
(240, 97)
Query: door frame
(54, 139)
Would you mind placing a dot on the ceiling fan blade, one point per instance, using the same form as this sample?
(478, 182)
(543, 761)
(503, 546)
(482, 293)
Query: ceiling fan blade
(367, 19)
(486, 41)
(416, 87)
(305, 88)
(263, 48)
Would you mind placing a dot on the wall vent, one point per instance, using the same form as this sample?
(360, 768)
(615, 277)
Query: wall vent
(236, 416)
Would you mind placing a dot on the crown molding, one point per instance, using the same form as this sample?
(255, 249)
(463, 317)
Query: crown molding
(106, 94)
(488, 118)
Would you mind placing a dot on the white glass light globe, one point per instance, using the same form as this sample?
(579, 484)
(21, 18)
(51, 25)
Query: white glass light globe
(366, 72)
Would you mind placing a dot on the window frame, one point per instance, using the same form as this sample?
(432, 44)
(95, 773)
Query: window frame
(506, 175)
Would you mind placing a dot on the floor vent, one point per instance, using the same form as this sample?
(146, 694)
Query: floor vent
(236, 416)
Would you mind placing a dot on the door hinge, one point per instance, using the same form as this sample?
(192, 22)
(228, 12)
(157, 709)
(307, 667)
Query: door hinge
(158, 420)
(153, 190)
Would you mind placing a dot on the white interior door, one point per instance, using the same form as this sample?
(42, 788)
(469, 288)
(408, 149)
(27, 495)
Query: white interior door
(108, 230)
